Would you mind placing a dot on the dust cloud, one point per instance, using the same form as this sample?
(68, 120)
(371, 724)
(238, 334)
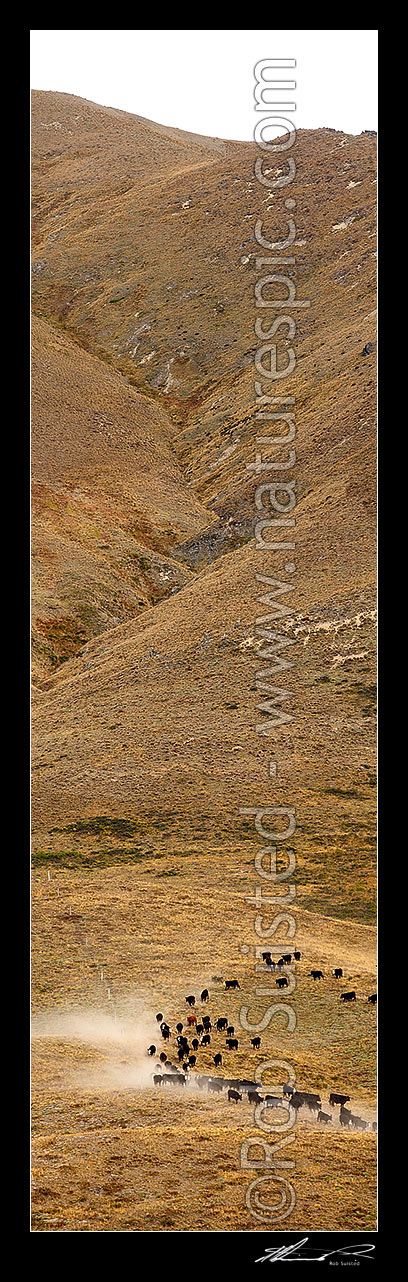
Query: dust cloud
(119, 1045)
(104, 1054)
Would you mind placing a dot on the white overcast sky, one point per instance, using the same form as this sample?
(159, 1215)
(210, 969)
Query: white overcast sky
(203, 80)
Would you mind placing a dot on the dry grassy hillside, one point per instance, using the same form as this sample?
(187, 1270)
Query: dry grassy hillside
(109, 499)
(158, 278)
(144, 708)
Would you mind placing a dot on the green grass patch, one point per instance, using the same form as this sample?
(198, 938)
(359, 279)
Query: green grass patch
(93, 858)
(343, 792)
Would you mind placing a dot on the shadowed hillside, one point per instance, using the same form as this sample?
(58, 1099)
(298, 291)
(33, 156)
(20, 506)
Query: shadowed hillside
(109, 499)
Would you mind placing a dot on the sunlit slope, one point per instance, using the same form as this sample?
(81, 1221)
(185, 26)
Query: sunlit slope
(144, 240)
(156, 724)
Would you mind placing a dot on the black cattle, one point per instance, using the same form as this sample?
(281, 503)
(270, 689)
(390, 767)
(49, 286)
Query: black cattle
(206, 1040)
(324, 1117)
(151, 1050)
(254, 1098)
(204, 995)
(217, 1060)
(297, 956)
(270, 965)
(338, 973)
(164, 1025)
(195, 1043)
(288, 1091)
(348, 997)
(230, 1030)
(232, 1043)
(256, 1042)
(221, 1023)
(159, 1017)
(282, 981)
(215, 1084)
(163, 1057)
(157, 1078)
(165, 1032)
(181, 1040)
(234, 1095)
(373, 1126)
(345, 1115)
(373, 999)
(313, 1102)
(199, 1029)
(181, 1053)
(190, 1000)
(280, 963)
(297, 1100)
(231, 983)
(358, 1123)
(287, 957)
(316, 974)
(179, 1028)
(207, 1022)
(202, 1081)
(338, 1099)
(266, 957)
(192, 1061)
(273, 1101)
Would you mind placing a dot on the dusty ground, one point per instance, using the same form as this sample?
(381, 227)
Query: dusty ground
(107, 1153)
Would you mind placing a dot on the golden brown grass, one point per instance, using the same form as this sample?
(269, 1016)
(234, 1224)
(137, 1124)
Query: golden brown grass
(129, 1162)
(122, 1158)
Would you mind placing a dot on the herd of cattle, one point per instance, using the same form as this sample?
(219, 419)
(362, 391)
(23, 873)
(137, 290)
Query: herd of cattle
(282, 981)
(169, 1074)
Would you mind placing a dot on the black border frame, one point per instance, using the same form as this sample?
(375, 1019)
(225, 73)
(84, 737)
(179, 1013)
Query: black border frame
(232, 1249)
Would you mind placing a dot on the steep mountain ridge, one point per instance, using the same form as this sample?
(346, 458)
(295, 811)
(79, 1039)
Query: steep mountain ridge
(156, 716)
